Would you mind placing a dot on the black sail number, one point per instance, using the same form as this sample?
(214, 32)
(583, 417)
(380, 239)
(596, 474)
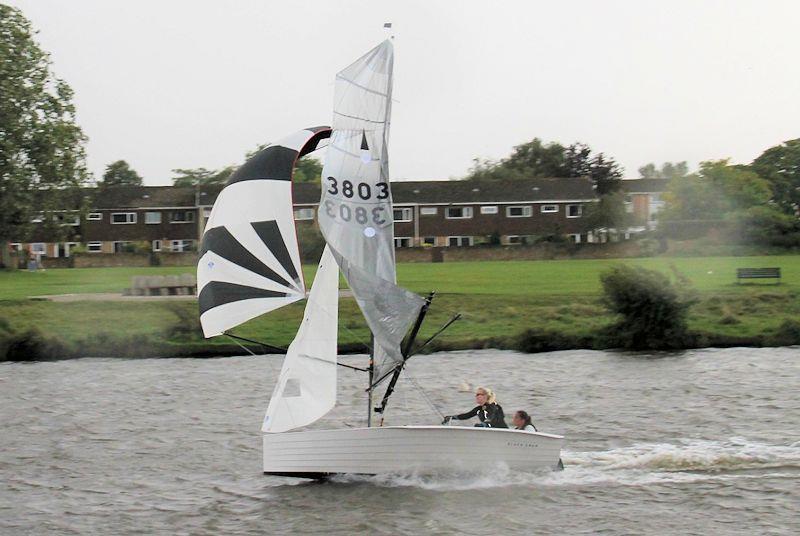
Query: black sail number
(383, 190)
(339, 210)
(334, 186)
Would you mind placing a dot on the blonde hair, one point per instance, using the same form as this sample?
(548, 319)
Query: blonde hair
(490, 398)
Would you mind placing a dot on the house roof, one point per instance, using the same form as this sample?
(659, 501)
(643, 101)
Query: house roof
(142, 197)
(645, 186)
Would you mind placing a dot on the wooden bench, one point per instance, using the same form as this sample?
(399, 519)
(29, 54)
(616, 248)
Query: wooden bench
(758, 273)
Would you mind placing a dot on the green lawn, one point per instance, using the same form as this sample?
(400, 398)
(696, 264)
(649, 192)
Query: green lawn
(498, 300)
(527, 278)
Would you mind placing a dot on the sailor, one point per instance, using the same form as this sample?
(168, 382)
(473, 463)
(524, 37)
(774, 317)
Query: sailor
(488, 411)
(522, 421)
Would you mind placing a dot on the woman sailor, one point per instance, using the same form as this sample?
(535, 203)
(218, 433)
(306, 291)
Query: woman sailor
(488, 411)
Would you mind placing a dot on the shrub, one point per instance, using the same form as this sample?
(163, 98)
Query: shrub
(787, 333)
(651, 310)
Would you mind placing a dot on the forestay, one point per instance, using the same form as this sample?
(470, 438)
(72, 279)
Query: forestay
(355, 213)
(249, 261)
(306, 387)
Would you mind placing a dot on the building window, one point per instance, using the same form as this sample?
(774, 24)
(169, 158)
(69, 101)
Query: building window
(574, 211)
(520, 211)
(39, 248)
(402, 215)
(489, 209)
(549, 209)
(67, 219)
(156, 245)
(181, 245)
(38, 218)
(575, 238)
(428, 211)
(402, 242)
(303, 214)
(514, 239)
(458, 213)
(459, 241)
(15, 246)
(120, 246)
(182, 216)
(123, 217)
(429, 241)
(94, 216)
(152, 217)
(94, 247)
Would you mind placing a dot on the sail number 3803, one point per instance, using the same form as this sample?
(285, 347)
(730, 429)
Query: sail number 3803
(361, 190)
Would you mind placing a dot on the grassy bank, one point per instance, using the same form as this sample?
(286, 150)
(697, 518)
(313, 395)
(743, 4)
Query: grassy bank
(534, 305)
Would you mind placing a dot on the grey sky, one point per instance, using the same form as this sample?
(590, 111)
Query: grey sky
(168, 84)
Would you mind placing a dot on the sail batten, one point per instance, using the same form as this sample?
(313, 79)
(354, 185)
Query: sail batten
(355, 212)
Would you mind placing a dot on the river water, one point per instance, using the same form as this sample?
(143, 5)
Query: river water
(700, 442)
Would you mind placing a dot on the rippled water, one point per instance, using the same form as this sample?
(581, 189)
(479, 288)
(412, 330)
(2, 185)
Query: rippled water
(702, 442)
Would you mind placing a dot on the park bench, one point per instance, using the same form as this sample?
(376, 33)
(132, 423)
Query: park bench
(162, 285)
(758, 273)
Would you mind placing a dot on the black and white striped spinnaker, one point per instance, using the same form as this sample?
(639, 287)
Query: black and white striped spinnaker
(249, 260)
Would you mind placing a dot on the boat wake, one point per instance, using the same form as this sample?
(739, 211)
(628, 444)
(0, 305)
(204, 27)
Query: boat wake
(636, 465)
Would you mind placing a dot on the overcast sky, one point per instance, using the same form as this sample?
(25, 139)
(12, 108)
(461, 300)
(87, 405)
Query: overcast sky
(181, 84)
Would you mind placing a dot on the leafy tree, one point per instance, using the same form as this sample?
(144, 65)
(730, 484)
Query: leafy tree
(715, 192)
(120, 173)
(780, 165)
(536, 159)
(201, 176)
(308, 169)
(42, 155)
(608, 212)
(668, 170)
(651, 311)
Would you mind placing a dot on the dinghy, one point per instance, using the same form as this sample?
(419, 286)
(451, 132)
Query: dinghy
(250, 264)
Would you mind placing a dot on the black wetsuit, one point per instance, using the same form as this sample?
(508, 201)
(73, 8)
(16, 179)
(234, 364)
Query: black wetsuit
(491, 414)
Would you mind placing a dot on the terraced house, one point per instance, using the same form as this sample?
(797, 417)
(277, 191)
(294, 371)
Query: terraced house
(426, 214)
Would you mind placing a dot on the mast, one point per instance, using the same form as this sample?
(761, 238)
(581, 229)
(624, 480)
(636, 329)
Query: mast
(371, 370)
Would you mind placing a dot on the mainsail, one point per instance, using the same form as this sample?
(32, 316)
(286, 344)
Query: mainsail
(249, 260)
(306, 387)
(355, 213)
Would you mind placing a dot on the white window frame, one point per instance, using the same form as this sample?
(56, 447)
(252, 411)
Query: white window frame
(185, 214)
(549, 209)
(90, 245)
(406, 214)
(38, 218)
(576, 237)
(61, 219)
(182, 247)
(470, 240)
(15, 246)
(122, 242)
(489, 209)
(151, 213)
(428, 211)
(432, 244)
(130, 218)
(157, 245)
(466, 213)
(580, 210)
(304, 214)
(510, 240)
(398, 241)
(527, 211)
(36, 250)
(94, 216)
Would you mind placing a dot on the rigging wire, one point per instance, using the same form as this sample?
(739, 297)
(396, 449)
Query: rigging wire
(424, 394)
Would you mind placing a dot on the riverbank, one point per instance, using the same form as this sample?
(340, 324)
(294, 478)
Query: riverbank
(528, 306)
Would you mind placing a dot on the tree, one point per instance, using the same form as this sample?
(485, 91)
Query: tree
(119, 173)
(308, 169)
(780, 165)
(536, 159)
(607, 213)
(668, 170)
(42, 155)
(201, 176)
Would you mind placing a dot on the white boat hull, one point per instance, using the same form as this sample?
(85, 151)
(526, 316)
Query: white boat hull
(401, 449)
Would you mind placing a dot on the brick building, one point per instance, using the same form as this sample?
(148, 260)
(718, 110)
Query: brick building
(426, 213)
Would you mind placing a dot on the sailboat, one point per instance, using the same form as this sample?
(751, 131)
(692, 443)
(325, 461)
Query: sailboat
(250, 264)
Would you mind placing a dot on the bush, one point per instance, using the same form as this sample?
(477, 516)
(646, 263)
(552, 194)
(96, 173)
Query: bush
(652, 311)
(311, 243)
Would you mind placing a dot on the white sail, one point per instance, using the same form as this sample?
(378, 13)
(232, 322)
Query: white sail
(355, 213)
(306, 387)
(249, 261)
